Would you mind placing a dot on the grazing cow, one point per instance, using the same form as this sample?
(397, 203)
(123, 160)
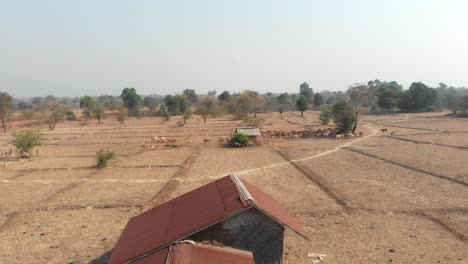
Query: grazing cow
(361, 134)
(392, 132)
(446, 131)
(188, 141)
(338, 136)
(295, 136)
(384, 130)
(206, 140)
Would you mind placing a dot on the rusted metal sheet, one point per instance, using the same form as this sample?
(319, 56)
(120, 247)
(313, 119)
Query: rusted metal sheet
(266, 204)
(190, 213)
(216, 255)
(186, 253)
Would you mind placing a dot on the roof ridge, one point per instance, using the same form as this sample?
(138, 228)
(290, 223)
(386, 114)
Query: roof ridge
(243, 191)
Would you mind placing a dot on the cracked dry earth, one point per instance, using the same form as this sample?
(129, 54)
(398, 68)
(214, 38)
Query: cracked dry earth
(383, 198)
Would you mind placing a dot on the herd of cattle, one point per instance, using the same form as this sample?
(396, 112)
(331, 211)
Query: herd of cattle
(319, 133)
(155, 141)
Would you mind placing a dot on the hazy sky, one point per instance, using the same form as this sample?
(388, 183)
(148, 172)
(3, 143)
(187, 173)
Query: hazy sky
(99, 47)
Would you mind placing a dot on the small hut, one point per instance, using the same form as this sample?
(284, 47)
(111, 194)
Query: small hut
(253, 133)
(229, 212)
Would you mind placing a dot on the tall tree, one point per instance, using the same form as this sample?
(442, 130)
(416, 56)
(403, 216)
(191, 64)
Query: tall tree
(130, 98)
(418, 98)
(302, 104)
(344, 116)
(6, 108)
(176, 104)
(242, 105)
(151, 102)
(306, 91)
(257, 101)
(86, 101)
(191, 95)
(224, 97)
(318, 100)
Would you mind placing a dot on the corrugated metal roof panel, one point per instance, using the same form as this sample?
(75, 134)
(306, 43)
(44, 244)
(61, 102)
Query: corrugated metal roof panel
(249, 131)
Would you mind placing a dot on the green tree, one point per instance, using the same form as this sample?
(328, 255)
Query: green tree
(389, 97)
(164, 112)
(86, 101)
(344, 116)
(224, 97)
(306, 91)
(282, 98)
(418, 98)
(6, 108)
(150, 102)
(191, 95)
(131, 100)
(25, 141)
(97, 110)
(325, 116)
(302, 104)
(318, 100)
(176, 104)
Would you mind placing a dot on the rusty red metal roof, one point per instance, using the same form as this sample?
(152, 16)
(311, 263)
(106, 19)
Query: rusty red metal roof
(192, 212)
(187, 253)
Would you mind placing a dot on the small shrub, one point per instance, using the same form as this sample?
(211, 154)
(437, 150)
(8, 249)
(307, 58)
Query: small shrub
(26, 140)
(180, 123)
(121, 117)
(325, 116)
(103, 157)
(241, 139)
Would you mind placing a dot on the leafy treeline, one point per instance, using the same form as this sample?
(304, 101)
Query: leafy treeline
(374, 96)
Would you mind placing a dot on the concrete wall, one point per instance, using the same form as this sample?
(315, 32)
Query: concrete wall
(252, 231)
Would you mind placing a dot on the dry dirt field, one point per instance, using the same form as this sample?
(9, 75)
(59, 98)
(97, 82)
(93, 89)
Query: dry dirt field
(382, 198)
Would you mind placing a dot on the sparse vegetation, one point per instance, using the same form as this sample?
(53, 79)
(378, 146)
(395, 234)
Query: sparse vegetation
(103, 157)
(122, 115)
(325, 116)
(25, 141)
(187, 115)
